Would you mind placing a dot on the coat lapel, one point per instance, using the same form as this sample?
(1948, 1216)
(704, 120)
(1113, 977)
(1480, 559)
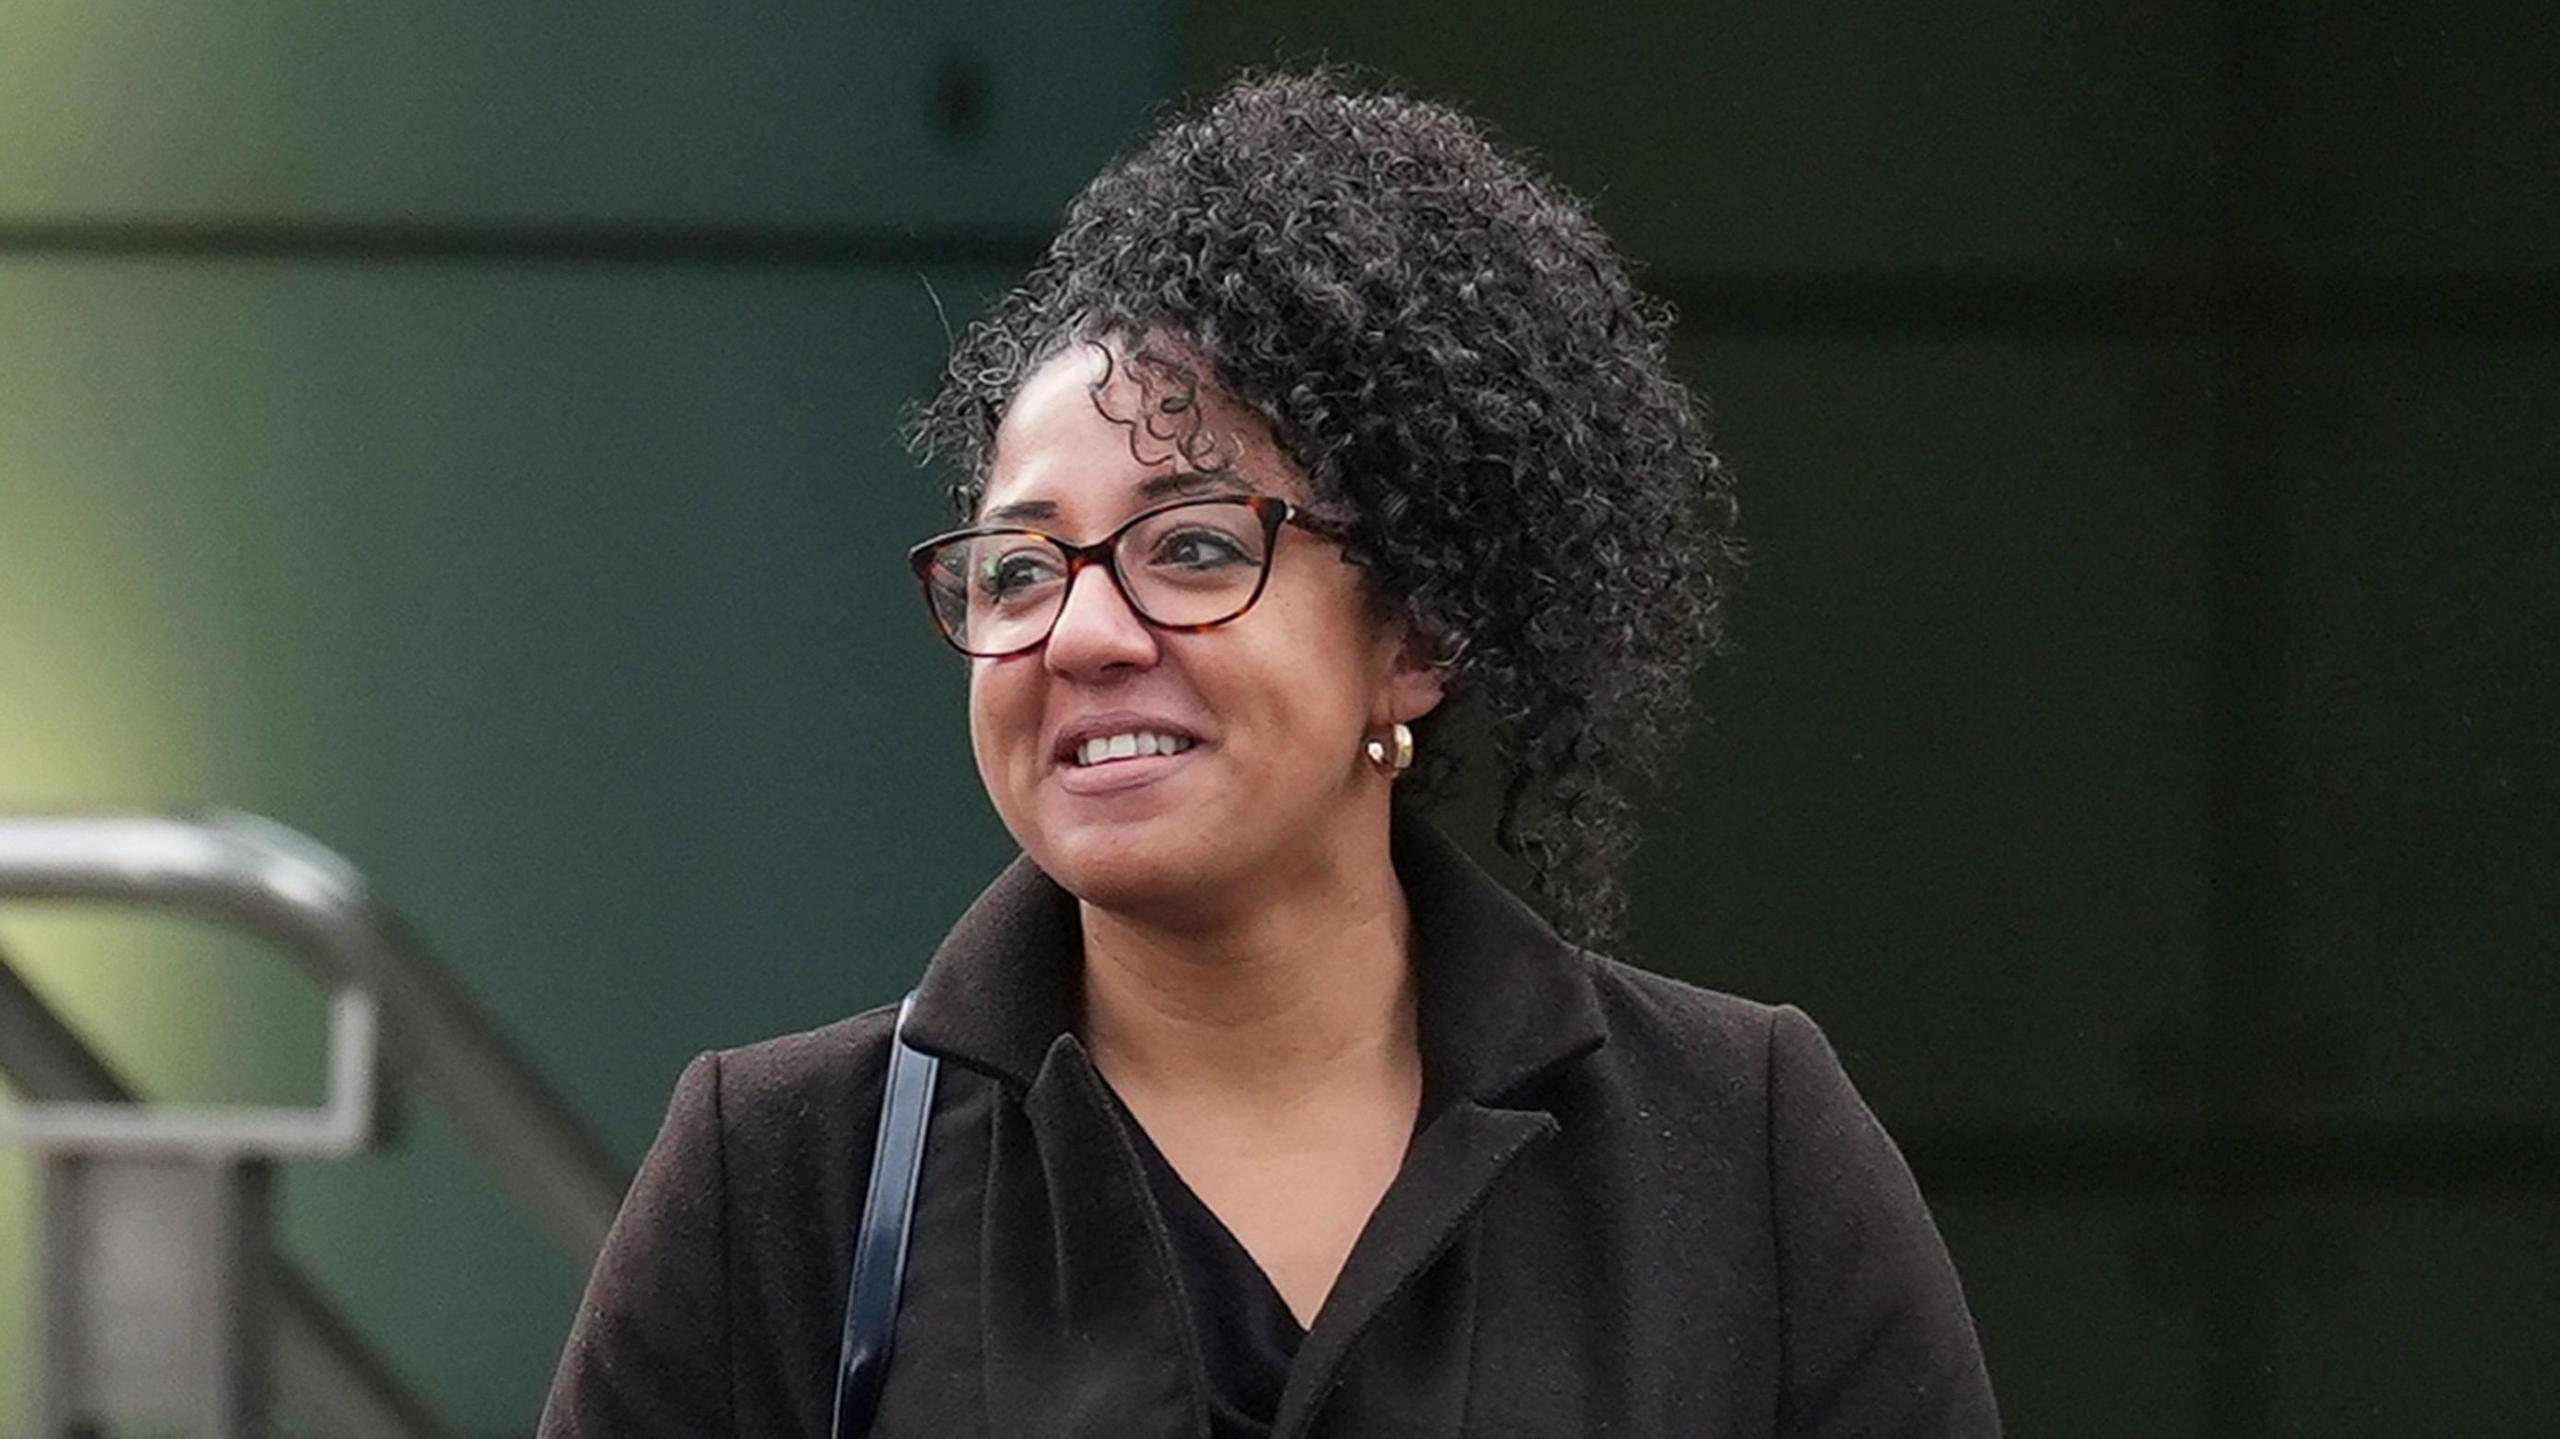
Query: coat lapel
(1504, 1003)
(1447, 1174)
(1086, 1329)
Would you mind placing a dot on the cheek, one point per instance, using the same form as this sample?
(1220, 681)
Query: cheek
(1312, 690)
(977, 718)
(997, 715)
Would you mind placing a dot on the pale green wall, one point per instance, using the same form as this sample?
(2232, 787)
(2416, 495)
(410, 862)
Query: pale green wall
(565, 598)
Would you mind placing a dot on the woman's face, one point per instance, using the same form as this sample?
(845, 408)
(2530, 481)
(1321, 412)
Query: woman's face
(1277, 704)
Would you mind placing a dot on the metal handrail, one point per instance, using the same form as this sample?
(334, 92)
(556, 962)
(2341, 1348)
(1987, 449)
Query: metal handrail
(270, 880)
(321, 1359)
(287, 886)
(347, 1124)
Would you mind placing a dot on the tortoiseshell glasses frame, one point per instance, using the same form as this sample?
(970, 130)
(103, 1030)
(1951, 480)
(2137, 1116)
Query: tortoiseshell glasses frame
(1208, 596)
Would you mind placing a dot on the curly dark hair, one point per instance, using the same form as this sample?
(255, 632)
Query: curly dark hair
(1454, 354)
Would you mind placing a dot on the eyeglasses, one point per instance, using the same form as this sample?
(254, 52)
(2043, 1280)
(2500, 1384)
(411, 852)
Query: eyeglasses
(1190, 565)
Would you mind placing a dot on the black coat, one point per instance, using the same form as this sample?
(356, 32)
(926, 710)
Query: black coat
(1634, 1207)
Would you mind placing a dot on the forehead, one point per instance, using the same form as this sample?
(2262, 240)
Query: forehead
(1095, 432)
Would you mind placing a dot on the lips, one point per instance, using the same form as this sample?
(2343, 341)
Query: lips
(1117, 775)
(1071, 736)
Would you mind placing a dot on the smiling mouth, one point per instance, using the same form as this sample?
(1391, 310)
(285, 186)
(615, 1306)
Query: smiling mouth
(1108, 749)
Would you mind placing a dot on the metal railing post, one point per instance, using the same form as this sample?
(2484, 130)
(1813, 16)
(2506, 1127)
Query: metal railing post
(118, 1173)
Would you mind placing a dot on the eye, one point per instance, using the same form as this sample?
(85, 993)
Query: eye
(1198, 547)
(1003, 575)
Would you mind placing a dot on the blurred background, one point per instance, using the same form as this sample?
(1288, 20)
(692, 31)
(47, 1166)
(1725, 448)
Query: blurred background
(465, 433)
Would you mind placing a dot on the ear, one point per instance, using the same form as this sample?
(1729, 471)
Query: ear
(1415, 685)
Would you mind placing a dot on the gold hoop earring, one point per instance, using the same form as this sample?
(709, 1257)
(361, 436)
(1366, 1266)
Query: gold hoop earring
(1394, 755)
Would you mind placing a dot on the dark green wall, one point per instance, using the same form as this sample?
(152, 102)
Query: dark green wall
(466, 434)
(2139, 756)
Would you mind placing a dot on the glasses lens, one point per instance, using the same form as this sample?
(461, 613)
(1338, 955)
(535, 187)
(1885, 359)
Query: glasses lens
(996, 593)
(1194, 564)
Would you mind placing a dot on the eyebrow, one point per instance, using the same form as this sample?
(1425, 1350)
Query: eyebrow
(1148, 490)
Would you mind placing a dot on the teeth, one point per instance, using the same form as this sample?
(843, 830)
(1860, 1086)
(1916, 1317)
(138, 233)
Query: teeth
(1102, 748)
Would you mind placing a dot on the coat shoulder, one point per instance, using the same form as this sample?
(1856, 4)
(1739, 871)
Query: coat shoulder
(1669, 1030)
(1678, 1048)
(1676, 1000)
(778, 1087)
(1665, 1021)
(726, 1258)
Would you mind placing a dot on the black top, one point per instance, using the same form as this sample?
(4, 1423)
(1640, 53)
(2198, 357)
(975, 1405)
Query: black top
(1246, 1332)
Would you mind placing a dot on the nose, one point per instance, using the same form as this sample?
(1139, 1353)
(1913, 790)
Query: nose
(1096, 629)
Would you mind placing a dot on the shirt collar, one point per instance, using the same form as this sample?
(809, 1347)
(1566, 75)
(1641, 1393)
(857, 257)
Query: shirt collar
(1504, 999)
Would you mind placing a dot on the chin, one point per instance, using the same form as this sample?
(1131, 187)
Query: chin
(1154, 865)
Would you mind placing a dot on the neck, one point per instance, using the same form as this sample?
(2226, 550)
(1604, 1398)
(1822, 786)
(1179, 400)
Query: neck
(1309, 987)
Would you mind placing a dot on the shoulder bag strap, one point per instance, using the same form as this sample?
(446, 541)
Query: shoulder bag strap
(880, 1246)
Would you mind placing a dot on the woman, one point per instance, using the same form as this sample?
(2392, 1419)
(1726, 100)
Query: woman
(1263, 1111)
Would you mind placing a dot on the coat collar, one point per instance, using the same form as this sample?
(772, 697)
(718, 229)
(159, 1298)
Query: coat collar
(1503, 999)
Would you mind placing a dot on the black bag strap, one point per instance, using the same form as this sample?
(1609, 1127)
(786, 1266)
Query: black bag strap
(880, 1246)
